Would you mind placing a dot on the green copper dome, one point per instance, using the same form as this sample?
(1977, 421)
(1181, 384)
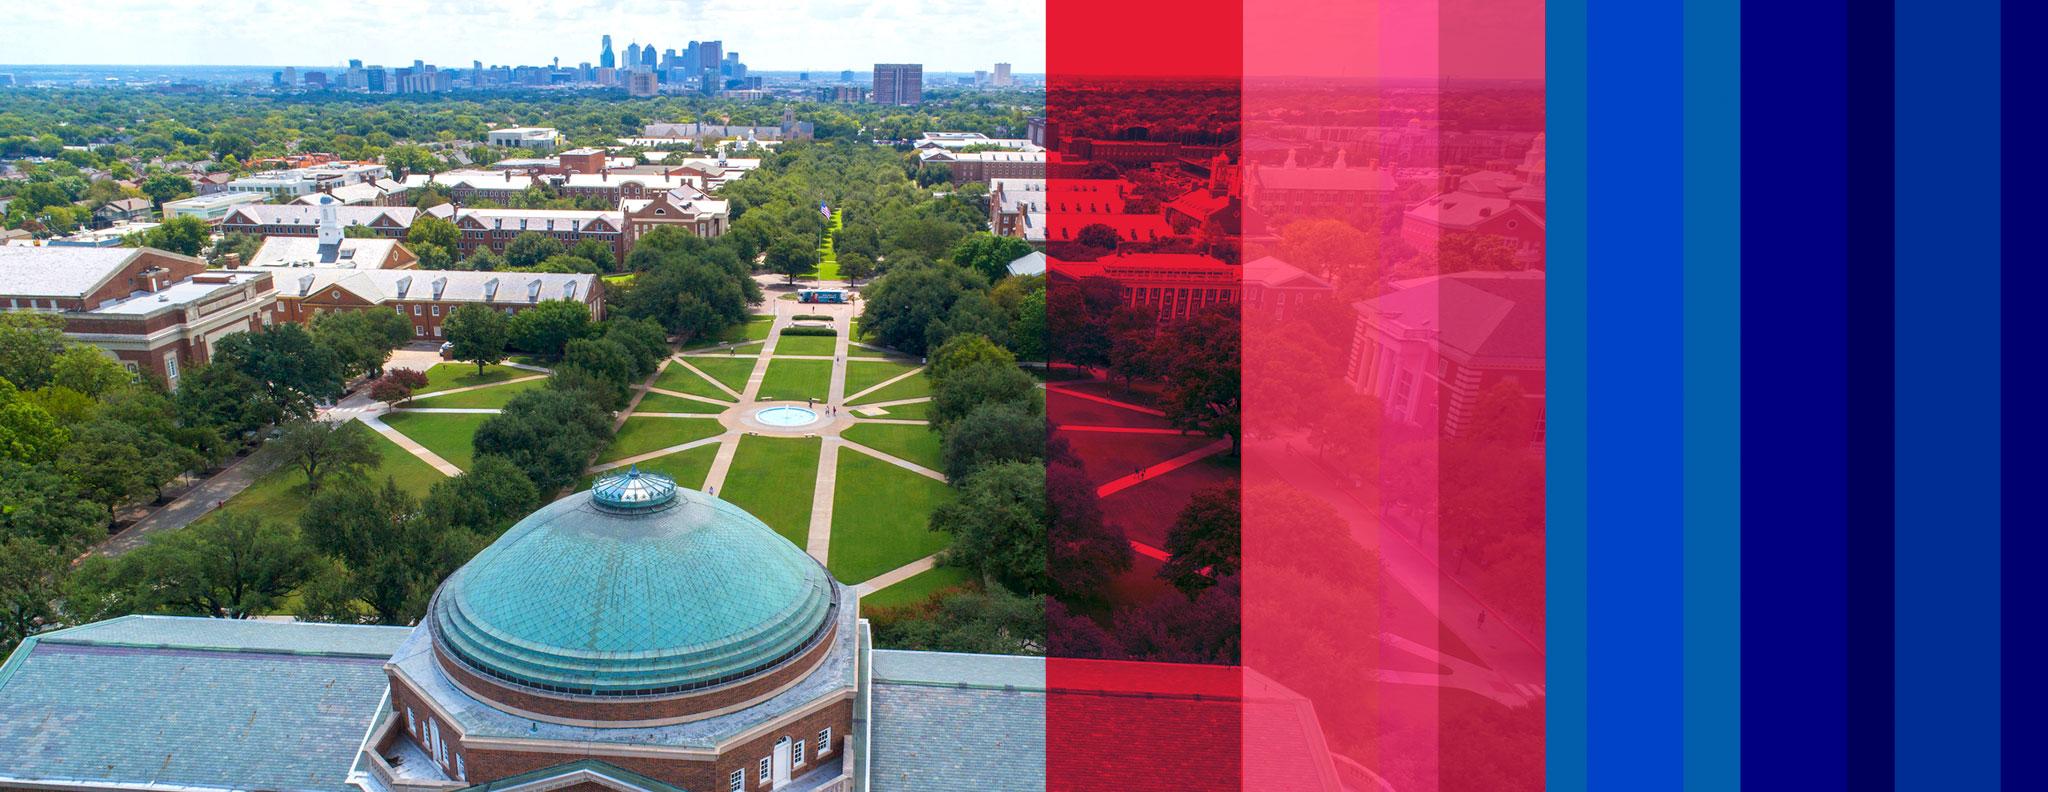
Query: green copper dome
(637, 587)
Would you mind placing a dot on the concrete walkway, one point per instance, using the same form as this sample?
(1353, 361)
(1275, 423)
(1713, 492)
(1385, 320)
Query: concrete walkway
(827, 486)
(375, 422)
(197, 502)
(1102, 399)
(467, 389)
(1154, 471)
(708, 378)
(897, 575)
(657, 453)
(895, 460)
(885, 383)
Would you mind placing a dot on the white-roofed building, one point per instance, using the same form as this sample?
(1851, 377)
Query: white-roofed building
(148, 308)
(332, 248)
(535, 138)
(425, 297)
(304, 219)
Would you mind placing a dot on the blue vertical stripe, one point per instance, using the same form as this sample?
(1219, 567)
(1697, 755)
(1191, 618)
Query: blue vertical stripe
(1794, 492)
(1949, 351)
(1713, 396)
(1565, 765)
(1634, 398)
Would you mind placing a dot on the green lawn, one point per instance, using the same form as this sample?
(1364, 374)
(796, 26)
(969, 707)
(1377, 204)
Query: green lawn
(280, 495)
(675, 377)
(906, 388)
(731, 371)
(864, 374)
(917, 588)
(640, 435)
(773, 478)
(446, 376)
(904, 441)
(914, 411)
(868, 538)
(797, 379)
(688, 467)
(822, 346)
(664, 403)
(446, 434)
(754, 329)
(854, 351)
(493, 398)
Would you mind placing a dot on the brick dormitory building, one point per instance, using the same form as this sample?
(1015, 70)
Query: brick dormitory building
(682, 207)
(637, 637)
(150, 309)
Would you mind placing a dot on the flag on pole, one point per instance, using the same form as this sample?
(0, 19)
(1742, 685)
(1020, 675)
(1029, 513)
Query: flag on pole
(824, 210)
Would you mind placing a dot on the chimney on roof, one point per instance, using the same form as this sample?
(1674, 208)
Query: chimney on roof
(231, 261)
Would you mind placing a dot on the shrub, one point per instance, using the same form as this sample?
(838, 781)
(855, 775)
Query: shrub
(397, 385)
(809, 331)
(812, 318)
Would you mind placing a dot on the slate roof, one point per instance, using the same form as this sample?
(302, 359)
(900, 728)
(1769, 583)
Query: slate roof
(1491, 317)
(309, 215)
(381, 285)
(944, 722)
(195, 703)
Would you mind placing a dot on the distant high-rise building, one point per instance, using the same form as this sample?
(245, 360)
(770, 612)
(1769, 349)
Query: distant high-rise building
(641, 82)
(709, 55)
(605, 59)
(374, 79)
(647, 57)
(980, 76)
(803, 76)
(846, 76)
(899, 83)
(291, 77)
(1002, 79)
(632, 56)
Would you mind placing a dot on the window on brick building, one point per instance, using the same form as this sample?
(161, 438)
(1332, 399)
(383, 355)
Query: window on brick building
(767, 768)
(824, 741)
(796, 753)
(738, 780)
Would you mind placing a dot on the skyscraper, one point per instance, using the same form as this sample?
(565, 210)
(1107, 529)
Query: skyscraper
(647, 57)
(899, 83)
(632, 56)
(1002, 78)
(605, 59)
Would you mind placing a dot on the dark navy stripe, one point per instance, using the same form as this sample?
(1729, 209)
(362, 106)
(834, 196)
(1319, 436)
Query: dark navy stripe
(2025, 429)
(1870, 402)
(1794, 380)
(1635, 395)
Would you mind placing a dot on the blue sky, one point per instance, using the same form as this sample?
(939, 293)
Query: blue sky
(779, 35)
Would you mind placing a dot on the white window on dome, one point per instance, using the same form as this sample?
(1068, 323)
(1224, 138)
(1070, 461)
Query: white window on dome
(738, 781)
(796, 753)
(824, 741)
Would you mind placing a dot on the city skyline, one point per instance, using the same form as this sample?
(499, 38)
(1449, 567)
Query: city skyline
(951, 36)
